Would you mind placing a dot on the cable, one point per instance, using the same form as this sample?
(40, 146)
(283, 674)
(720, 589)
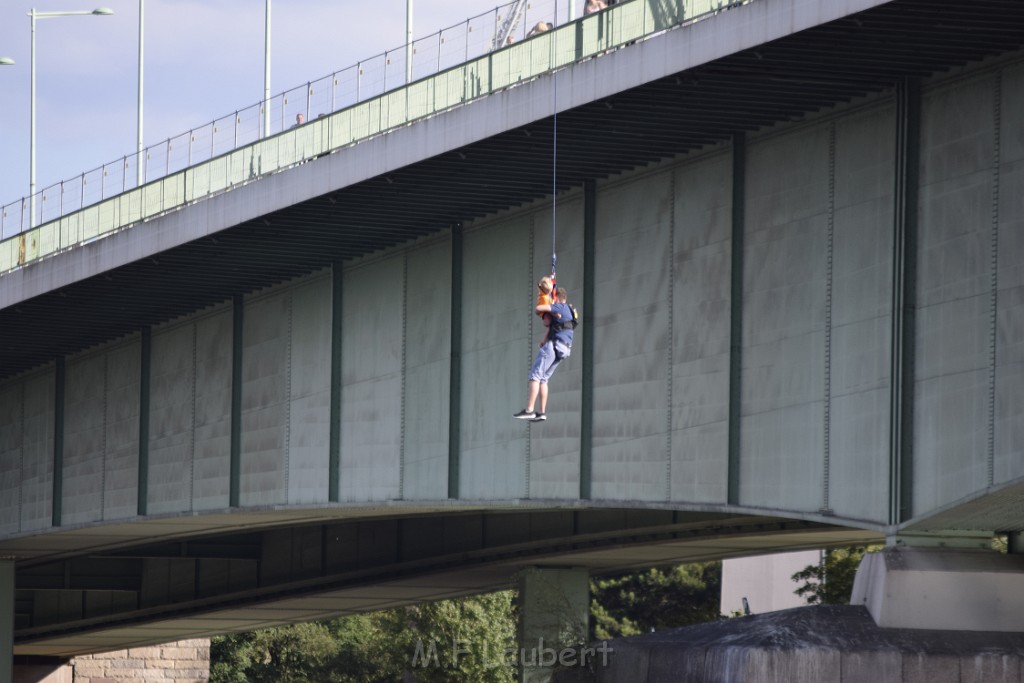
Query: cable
(554, 179)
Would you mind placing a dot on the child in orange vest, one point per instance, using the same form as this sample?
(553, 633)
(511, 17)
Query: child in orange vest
(545, 297)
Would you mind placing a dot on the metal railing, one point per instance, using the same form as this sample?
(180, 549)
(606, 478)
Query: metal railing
(449, 68)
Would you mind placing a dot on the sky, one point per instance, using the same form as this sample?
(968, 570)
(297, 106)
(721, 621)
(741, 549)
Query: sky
(203, 59)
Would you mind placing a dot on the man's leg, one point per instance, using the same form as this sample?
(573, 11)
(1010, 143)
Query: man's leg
(531, 398)
(538, 377)
(543, 397)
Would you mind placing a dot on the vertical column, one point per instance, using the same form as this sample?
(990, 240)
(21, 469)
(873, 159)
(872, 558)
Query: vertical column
(334, 456)
(554, 616)
(58, 441)
(587, 390)
(455, 366)
(144, 391)
(235, 472)
(904, 277)
(6, 620)
(826, 508)
(739, 169)
(1015, 543)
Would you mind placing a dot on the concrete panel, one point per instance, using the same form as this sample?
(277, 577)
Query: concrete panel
(872, 667)
(785, 277)
(1009, 413)
(85, 411)
(954, 293)
(212, 439)
(555, 444)
(121, 458)
(11, 418)
(859, 464)
(371, 401)
(37, 451)
(499, 293)
(172, 418)
(701, 329)
(954, 249)
(782, 464)
(930, 668)
(309, 416)
(427, 372)
(941, 589)
(631, 315)
(990, 668)
(953, 337)
(782, 666)
(956, 129)
(1009, 416)
(950, 438)
(1011, 138)
(784, 372)
(861, 322)
(266, 386)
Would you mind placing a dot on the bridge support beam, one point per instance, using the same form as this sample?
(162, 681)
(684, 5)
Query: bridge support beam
(942, 588)
(6, 620)
(554, 610)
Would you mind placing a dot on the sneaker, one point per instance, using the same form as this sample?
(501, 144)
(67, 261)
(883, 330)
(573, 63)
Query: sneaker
(539, 417)
(525, 415)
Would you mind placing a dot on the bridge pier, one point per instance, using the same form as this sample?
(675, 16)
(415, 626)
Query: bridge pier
(943, 584)
(1015, 543)
(6, 620)
(554, 611)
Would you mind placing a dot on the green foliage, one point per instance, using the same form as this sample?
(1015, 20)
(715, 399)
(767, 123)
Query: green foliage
(337, 650)
(628, 604)
(462, 641)
(831, 581)
(468, 640)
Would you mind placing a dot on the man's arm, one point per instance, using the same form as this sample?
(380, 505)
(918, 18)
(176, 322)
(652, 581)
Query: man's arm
(543, 308)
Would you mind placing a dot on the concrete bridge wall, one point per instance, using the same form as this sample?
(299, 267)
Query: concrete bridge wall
(814, 219)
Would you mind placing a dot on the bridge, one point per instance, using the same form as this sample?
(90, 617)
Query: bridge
(277, 385)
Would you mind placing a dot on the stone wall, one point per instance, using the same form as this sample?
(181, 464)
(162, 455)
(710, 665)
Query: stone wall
(187, 661)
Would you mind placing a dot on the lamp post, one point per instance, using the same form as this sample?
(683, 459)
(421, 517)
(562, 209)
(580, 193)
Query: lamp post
(408, 42)
(266, 74)
(139, 163)
(6, 61)
(33, 16)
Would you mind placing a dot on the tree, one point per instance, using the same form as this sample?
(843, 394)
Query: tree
(462, 641)
(466, 640)
(628, 604)
(337, 650)
(830, 582)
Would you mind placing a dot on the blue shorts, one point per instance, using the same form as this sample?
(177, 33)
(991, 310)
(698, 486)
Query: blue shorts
(546, 361)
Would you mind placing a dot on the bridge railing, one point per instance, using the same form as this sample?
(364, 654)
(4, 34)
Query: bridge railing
(235, 150)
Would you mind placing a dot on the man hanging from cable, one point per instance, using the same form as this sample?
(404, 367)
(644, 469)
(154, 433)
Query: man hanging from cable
(556, 345)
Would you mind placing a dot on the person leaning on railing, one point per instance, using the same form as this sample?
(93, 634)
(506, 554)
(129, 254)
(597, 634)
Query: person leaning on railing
(540, 27)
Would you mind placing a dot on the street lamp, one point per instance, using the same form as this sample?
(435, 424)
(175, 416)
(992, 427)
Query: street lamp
(138, 158)
(408, 42)
(33, 16)
(6, 61)
(266, 73)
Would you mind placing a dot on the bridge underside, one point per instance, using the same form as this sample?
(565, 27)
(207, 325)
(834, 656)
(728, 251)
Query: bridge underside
(782, 81)
(292, 566)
